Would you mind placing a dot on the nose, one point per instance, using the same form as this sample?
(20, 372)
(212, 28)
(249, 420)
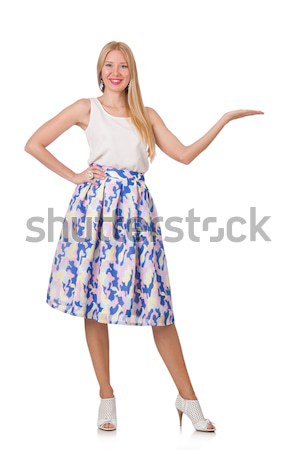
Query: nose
(116, 72)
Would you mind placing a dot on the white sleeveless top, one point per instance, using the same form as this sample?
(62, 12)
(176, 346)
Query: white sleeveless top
(114, 141)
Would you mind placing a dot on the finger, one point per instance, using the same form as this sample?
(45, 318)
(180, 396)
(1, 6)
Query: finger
(95, 175)
(98, 170)
(99, 174)
(101, 169)
(255, 112)
(96, 166)
(252, 111)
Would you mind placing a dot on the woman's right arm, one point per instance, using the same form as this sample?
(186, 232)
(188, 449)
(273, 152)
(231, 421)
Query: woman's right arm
(50, 130)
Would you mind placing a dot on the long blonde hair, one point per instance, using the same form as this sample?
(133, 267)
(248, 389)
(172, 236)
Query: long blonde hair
(133, 96)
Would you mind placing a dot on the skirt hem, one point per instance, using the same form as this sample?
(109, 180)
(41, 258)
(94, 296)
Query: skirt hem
(108, 319)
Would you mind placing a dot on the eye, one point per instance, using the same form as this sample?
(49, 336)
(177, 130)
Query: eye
(123, 65)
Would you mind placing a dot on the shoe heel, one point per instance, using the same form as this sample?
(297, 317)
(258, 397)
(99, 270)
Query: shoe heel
(180, 413)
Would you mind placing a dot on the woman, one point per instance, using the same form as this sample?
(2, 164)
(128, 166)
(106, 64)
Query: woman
(102, 271)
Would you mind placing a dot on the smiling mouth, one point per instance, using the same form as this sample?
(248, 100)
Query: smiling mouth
(115, 80)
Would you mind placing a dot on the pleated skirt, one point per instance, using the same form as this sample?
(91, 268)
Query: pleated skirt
(110, 263)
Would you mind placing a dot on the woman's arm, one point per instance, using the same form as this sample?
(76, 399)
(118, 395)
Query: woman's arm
(185, 154)
(50, 130)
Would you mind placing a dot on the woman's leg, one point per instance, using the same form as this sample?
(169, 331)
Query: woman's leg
(97, 336)
(168, 344)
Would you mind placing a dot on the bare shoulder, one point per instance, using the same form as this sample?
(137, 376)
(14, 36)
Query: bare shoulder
(82, 103)
(78, 106)
(81, 106)
(75, 112)
(155, 118)
(81, 109)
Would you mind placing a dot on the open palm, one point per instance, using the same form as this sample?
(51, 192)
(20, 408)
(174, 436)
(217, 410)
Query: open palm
(237, 114)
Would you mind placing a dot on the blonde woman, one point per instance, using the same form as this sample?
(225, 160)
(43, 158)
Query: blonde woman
(110, 265)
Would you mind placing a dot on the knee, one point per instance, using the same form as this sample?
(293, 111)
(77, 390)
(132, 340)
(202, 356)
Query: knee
(160, 330)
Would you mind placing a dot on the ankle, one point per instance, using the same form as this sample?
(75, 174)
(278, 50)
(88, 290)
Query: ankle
(188, 395)
(106, 393)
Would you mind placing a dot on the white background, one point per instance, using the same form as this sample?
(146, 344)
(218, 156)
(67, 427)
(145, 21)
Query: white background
(234, 303)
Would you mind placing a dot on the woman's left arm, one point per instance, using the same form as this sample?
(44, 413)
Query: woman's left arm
(185, 154)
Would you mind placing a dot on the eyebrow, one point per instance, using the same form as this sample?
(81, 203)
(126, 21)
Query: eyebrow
(123, 62)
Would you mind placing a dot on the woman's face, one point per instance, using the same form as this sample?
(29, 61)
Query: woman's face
(115, 73)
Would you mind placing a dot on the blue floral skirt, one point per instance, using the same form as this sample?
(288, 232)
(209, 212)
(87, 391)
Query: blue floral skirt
(110, 263)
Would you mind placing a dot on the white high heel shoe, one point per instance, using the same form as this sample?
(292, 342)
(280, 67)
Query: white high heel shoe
(107, 414)
(193, 410)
